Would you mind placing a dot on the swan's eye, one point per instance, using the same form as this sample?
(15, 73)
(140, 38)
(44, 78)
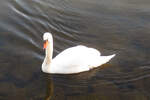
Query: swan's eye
(45, 44)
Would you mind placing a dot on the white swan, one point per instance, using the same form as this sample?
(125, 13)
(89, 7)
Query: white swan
(72, 60)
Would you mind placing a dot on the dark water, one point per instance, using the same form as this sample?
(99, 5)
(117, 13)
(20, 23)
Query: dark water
(111, 26)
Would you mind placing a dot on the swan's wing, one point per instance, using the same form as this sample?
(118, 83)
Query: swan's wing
(75, 59)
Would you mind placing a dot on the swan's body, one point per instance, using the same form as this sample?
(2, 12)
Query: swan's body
(72, 60)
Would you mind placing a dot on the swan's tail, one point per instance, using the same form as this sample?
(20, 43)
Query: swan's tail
(104, 59)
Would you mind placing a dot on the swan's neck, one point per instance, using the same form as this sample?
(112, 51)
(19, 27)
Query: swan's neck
(49, 53)
(48, 57)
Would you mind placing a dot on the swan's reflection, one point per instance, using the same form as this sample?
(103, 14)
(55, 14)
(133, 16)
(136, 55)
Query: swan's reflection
(50, 87)
(62, 86)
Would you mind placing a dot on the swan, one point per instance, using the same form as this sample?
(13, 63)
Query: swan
(72, 60)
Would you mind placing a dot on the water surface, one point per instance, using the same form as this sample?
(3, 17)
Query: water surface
(113, 26)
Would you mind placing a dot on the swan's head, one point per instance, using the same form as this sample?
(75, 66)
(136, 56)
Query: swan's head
(47, 37)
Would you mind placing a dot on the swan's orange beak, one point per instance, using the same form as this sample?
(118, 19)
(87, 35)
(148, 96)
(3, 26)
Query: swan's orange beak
(45, 44)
